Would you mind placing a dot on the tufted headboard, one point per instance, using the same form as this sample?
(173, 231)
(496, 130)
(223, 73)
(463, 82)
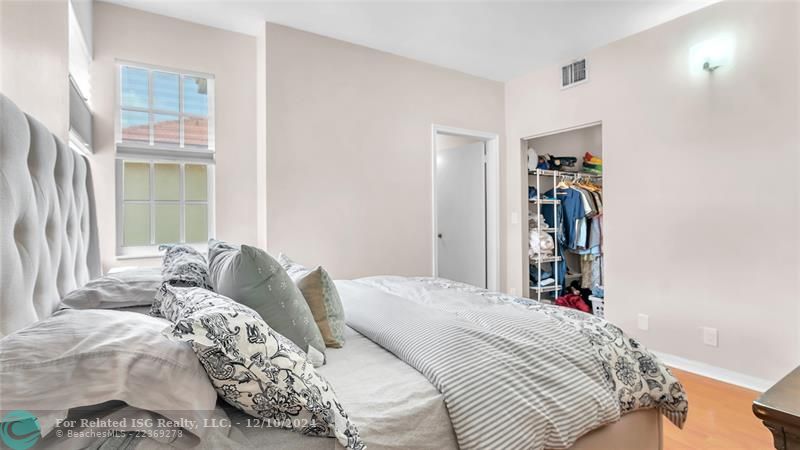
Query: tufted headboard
(48, 228)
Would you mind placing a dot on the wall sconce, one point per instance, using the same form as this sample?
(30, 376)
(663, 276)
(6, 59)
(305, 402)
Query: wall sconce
(711, 54)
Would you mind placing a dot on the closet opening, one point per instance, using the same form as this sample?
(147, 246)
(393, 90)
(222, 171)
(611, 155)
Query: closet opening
(564, 191)
(466, 199)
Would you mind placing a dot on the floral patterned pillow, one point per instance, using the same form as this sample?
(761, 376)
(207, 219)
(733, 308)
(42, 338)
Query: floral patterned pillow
(254, 368)
(182, 265)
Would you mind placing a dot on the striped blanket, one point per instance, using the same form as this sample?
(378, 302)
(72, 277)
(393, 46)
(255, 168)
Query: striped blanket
(514, 373)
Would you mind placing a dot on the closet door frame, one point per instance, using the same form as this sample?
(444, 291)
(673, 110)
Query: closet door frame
(523, 204)
(492, 142)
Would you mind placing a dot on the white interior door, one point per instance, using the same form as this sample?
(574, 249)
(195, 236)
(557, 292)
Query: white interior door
(461, 213)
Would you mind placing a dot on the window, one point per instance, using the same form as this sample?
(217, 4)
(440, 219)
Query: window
(165, 157)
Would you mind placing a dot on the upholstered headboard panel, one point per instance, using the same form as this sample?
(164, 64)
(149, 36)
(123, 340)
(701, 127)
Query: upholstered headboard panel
(48, 229)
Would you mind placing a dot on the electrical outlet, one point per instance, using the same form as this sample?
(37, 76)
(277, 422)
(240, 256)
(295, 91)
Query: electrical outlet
(513, 291)
(643, 322)
(710, 336)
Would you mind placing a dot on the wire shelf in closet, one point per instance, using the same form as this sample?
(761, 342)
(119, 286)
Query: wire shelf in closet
(546, 259)
(548, 288)
(564, 173)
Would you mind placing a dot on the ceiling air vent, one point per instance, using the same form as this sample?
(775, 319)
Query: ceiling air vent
(574, 73)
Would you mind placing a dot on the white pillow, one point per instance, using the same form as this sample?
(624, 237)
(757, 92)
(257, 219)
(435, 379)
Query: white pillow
(78, 358)
(254, 368)
(120, 290)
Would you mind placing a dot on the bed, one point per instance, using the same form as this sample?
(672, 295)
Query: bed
(394, 388)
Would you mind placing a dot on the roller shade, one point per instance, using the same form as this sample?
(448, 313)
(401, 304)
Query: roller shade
(80, 117)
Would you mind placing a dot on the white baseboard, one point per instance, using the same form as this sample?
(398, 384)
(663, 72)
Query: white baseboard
(717, 373)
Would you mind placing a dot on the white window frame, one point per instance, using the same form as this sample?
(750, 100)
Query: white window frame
(154, 153)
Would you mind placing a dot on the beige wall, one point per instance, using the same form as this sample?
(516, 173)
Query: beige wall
(130, 35)
(261, 137)
(349, 151)
(701, 215)
(34, 52)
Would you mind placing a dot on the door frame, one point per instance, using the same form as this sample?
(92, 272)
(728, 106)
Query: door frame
(492, 143)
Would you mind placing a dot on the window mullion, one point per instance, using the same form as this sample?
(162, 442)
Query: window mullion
(147, 110)
(181, 142)
(211, 132)
(150, 105)
(134, 109)
(182, 204)
(211, 187)
(152, 203)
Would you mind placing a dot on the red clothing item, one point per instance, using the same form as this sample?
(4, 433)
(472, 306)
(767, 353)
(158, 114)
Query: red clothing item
(573, 301)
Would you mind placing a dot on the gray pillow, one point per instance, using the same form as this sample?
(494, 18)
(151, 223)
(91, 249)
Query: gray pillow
(253, 278)
(120, 290)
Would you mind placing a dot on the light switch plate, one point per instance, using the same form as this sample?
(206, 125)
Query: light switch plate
(643, 322)
(710, 336)
(514, 218)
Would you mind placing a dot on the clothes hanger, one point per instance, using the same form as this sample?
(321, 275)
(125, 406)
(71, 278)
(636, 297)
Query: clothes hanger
(588, 184)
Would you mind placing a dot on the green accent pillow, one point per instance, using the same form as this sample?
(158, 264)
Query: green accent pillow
(322, 297)
(253, 278)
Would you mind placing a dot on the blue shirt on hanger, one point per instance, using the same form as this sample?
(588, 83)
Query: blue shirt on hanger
(569, 212)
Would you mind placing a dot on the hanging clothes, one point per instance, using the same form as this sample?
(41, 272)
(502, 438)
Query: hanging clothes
(589, 203)
(598, 197)
(595, 233)
(568, 213)
(591, 271)
(588, 234)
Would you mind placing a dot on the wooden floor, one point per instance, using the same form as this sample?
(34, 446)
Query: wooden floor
(720, 417)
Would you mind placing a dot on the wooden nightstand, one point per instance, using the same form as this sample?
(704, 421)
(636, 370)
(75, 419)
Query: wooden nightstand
(779, 408)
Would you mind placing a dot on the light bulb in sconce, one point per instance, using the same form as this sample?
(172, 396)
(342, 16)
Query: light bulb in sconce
(711, 54)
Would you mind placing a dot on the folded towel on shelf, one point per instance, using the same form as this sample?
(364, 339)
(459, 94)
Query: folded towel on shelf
(544, 283)
(535, 219)
(541, 244)
(533, 275)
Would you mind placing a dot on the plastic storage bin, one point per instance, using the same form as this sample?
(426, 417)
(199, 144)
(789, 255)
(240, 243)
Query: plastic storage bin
(597, 306)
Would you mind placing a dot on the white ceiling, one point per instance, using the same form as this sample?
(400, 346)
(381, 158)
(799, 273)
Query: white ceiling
(492, 39)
